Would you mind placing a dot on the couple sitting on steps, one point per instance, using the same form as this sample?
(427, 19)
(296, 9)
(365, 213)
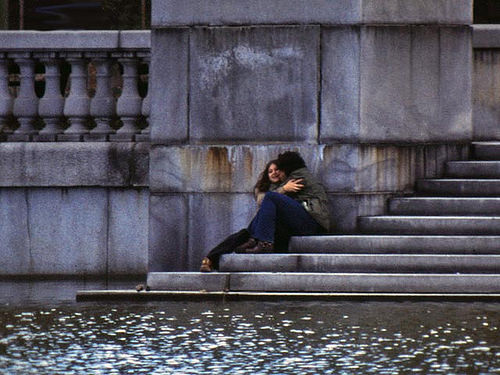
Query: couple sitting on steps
(291, 202)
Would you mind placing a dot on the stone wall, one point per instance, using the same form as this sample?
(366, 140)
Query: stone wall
(486, 88)
(73, 209)
(367, 91)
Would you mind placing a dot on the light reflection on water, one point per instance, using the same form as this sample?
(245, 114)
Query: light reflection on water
(64, 337)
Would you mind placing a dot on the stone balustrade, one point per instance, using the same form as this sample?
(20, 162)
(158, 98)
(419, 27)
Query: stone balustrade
(74, 86)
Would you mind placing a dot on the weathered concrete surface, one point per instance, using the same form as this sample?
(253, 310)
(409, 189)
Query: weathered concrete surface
(254, 84)
(184, 227)
(408, 86)
(342, 168)
(224, 12)
(168, 225)
(327, 282)
(444, 225)
(486, 150)
(417, 11)
(69, 40)
(77, 232)
(188, 281)
(169, 86)
(74, 164)
(363, 282)
(398, 244)
(340, 83)
(446, 206)
(486, 93)
(460, 187)
(485, 36)
(473, 169)
(404, 263)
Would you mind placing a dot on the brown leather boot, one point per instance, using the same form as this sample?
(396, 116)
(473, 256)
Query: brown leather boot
(252, 242)
(206, 265)
(261, 247)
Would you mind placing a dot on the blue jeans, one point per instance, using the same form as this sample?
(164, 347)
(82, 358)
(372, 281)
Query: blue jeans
(279, 209)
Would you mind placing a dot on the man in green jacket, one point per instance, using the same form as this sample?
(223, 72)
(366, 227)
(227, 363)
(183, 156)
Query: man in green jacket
(302, 209)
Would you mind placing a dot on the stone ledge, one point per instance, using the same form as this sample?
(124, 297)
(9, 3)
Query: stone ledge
(325, 282)
(24, 164)
(74, 40)
(132, 295)
(486, 36)
(168, 13)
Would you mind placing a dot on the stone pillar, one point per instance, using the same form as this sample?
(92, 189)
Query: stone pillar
(26, 102)
(128, 106)
(6, 99)
(51, 105)
(359, 87)
(103, 104)
(146, 103)
(77, 104)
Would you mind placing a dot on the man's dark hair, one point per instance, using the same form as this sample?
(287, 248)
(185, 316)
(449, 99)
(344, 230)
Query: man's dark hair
(289, 161)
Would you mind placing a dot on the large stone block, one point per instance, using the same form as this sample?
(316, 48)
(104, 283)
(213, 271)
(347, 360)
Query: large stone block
(74, 164)
(184, 227)
(222, 168)
(345, 209)
(69, 40)
(254, 84)
(340, 49)
(67, 231)
(326, 12)
(417, 11)
(340, 167)
(485, 36)
(169, 86)
(128, 218)
(251, 12)
(486, 94)
(409, 91)
(168, 232)
(15, 244)
(213, 217)
(73, 232)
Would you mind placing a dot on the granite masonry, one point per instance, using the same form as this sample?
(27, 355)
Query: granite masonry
(375, 94)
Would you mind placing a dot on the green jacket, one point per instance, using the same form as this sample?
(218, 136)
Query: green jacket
(312, 196)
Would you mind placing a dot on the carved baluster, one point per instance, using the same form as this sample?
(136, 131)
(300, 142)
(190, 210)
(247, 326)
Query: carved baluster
(6, 100)
(51, 105)
(103, 104)
(146, 103)
(77, 104)
(26, 102)
(128, 106)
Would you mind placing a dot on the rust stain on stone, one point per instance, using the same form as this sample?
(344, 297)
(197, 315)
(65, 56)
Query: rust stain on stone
(218, 169)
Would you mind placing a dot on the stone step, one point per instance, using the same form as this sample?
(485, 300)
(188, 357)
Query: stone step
(460, 187)
(325, 282)
(472, 225)
(395, 244)
(473, 169)
(486, 150)
(367, 263)
(443, 206)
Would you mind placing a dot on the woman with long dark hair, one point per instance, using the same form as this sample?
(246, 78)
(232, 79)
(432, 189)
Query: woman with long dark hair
(269, 180)
(302, 211)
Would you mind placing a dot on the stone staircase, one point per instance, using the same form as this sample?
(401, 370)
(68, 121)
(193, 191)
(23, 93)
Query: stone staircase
(445, 240)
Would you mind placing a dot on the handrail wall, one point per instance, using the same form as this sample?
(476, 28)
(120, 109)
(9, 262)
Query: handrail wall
(100, 87)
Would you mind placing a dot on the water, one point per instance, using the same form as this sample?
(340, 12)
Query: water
(47, 334)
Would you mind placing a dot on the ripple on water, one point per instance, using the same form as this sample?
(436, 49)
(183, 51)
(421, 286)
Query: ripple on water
(328, 338)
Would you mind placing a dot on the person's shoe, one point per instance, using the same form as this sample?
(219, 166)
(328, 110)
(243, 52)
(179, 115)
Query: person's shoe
(206, 265)
(261, 247)
(252, 242)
